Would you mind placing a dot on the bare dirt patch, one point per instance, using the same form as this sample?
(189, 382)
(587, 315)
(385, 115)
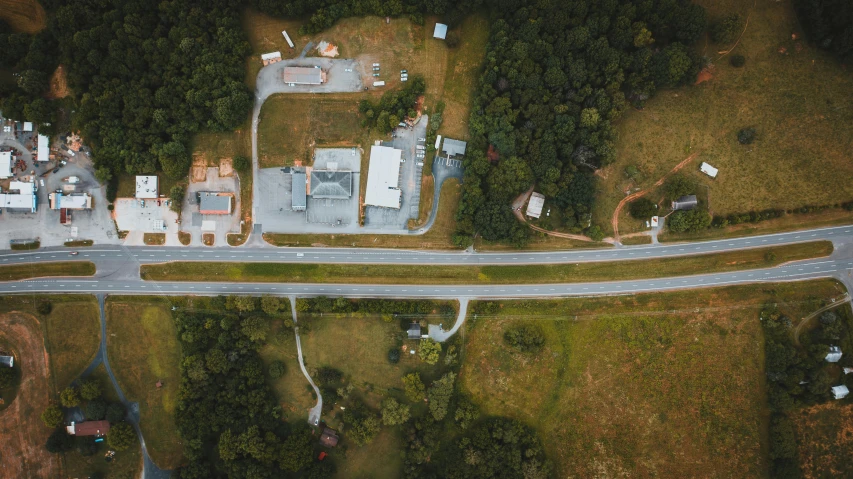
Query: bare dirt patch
(226, 167)
(208, 239)
(26, 16)
(59, 85)
(22, 435)
(825, 436)
(706, 74)
(199, 170)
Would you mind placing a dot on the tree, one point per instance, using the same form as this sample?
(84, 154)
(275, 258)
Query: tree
(277, 369)
(430, 351)
(176, 196)
(526, 338)
(59, 441)
(642, 208)
(394, 355)
(69, 397)
(746, 136)
(115, 413)
(414, 387)
(466, 412)
(90, 389)
(121, 436)
(783, 439)
(271, 305)
(44, 307)
(296, 451)
(394, 413)
(52, 416)
(242, 304)
(440, 394)
(679, 185)
(96, 409)
(689, 221)
(241, 163)
(726, 29)
(103, 175)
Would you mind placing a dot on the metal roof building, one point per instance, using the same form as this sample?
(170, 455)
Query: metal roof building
(299, 200)
(840, 392)
(834, 354)
(453, 147)
(685, 203)
(43, 148)
(24, 199)
(534, 206)
(331, 184)
(383, 177)
(269, 58)
(8, 361)
(5, 164)
(88, 428)
(304, 75)
(59, 201)
(146, 187)
(213, 203)
(440, 31)
(414, 331)
(708, 170)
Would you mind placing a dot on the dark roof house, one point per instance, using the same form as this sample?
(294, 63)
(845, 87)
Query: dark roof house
(8, 361)
(414, 331)
(452, 147)
(329, 438)
(331, 184)
(685, 203)
(212, 203)
(299, 201)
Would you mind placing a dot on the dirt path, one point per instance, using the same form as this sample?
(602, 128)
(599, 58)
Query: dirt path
(614, 222)
(842, 300)
(22, 435)
(519, 203)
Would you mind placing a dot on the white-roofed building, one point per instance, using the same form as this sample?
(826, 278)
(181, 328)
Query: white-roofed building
(44, 148)
(840, 392)
(834, 354)
(59, 201)
(383, 177)
(708, 170)
(440, 31)
(24, 199)
(146, 187)
(28, 126)
(534, 206)
(5, 164)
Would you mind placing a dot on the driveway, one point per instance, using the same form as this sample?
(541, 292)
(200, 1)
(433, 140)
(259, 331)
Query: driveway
(314, 413)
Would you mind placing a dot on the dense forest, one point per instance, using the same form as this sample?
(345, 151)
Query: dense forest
(828, 23)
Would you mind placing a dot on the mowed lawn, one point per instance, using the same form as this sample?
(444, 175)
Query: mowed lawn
(294, 394)
(291, 126)
(657, 385)
(799, 103)
(143, 349)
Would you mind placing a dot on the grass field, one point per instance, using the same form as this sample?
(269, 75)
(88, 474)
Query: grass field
(143, 348)
(40, 270)
(438, 237)
(561, 273)
(292, 390)
(463, 72)
(291, 126)
(824, 437)
(798, 102)
(26, 16)
(636, 386)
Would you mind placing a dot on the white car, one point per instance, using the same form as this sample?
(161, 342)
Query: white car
(421, 139)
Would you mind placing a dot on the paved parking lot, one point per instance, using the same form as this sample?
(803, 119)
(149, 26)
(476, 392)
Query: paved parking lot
(411, 174)
(132, 215)
(191, 219)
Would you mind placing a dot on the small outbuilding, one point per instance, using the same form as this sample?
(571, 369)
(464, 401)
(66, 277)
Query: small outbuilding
(28, 126)
(708, 170)
(440, 31)
(270, 58)
(88, 428)
(7, 361)
(146, 187)
(834, 354)
(534, 206)
(840, 392)
(685, 203)
(329, 438)
(414, 331)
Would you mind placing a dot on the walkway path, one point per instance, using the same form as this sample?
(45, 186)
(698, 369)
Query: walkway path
(438, 334)
(314, 413)
(149, 469)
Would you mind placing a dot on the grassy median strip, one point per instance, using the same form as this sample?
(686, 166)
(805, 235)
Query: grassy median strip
(521, 274)
(38, 270)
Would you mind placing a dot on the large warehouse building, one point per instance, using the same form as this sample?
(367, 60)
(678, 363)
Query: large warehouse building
(383, 177)
(304, 76)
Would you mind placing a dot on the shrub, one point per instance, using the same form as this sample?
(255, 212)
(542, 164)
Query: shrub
(746, 136)
(90, 389)
(526, 338)
(44, 307)
(642, 208)
(277, 369)
(121, 436)
(69, 397)
(737, 61)
(241, 163)
(52, 416)
(327, 375)
(394, 355)
(96, 409)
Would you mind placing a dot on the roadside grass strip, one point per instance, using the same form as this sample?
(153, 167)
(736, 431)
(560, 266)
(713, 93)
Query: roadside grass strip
(521, 274)
(41, 270)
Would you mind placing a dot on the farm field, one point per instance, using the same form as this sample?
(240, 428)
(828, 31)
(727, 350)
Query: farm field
(636, 386)
(143, 349)
(823, 434)
(797, 101)
(26, 16)
(521, 274)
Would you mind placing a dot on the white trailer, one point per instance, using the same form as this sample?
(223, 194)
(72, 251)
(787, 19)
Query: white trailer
(437, 142)
(287, 37)
(379, 83)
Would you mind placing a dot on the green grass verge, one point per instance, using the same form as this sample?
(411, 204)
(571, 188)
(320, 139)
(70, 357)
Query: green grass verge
(644, 385)
(40, 270)
(522, 274)
(143, 348)
(79, 243)
(26, 246)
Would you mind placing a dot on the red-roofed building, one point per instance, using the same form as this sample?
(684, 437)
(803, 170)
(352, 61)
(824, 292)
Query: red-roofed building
(89, 428)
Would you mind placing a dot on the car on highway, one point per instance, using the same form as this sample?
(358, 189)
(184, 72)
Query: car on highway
(74, 253)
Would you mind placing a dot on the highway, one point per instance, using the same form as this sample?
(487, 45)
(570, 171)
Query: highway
(110, 257)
